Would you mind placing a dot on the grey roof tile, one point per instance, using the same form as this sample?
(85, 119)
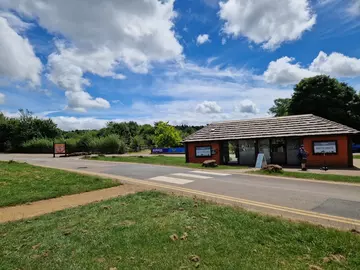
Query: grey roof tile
(286, 126)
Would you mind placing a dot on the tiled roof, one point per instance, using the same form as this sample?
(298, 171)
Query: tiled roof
(286, 126)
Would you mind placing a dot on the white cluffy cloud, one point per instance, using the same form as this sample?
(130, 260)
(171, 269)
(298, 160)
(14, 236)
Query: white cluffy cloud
(354, 8)
(208, 107)
(17, 58)
(102, 37)
(267, 22)
(336, 64)
(80, 123)
(246, 106)
(201, 39)
(80, 101)
(283, 71)
(2, 98)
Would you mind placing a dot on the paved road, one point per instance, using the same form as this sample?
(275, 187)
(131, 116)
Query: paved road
(333, 199)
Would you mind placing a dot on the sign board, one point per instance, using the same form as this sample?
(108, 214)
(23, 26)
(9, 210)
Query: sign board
(203, 151)
(325, 147)
(260, 161)
(177, 150)
(59, 148)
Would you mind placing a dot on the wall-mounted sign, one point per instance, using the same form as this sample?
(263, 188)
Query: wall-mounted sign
(329, 147)
(203, 151)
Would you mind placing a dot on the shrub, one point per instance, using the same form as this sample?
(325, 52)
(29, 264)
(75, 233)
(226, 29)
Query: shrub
(8, 146)
(137, 144)
(94, 145)
(85, 143)
(72, 145)
(40, 145)
(111, 144)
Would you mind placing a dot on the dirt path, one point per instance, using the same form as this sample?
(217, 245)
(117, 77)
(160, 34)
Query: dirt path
(38, 208)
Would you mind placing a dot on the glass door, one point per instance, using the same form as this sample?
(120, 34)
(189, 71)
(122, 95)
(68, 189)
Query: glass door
(247, 152)
(278, 151)
(292, 149)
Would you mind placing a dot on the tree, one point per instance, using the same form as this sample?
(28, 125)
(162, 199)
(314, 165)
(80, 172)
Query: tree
(166, 135)
(328, 98)
(137, 143)
(121, 129)
(147, 132)
(281, 107)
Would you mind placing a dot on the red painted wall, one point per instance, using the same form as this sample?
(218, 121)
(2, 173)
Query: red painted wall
(192, 154)
(341, 159)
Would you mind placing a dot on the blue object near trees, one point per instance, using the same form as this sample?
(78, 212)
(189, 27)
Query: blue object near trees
(177, 150)
(356, 148)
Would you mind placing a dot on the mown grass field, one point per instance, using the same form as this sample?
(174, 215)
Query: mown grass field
(313, 176)
(160, 160)
(134, 232)
(22, 183)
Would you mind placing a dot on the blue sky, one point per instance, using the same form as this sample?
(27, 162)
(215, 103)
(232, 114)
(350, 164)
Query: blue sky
(83, 63)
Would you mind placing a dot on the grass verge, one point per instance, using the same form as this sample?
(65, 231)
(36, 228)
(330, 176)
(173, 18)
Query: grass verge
(133, 232)
(162, 160)
(22, 183)
(313, 176)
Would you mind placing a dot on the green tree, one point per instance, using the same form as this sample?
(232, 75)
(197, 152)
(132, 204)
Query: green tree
(281, 107)
(121, 129)
(166, 135)
(148, 133)
(137, 143)
(16, 131)
(328, 98)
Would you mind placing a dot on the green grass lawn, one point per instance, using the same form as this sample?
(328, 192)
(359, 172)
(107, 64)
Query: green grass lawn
(161, 160)
(133, 232)
(22, 183)
(314, 176)
(356, 156)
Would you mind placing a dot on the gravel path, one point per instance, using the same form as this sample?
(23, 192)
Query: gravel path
(47, 206)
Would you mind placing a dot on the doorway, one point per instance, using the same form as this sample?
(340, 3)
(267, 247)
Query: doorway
(292, 149)
(264, 147)
(278, 152)
(247, 154)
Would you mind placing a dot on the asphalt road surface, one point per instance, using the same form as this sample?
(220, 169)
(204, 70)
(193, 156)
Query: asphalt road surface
(322, 202)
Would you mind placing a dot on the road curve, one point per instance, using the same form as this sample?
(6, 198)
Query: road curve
(329, 204)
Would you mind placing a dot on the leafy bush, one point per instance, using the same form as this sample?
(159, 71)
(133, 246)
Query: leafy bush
(72, 145)
(85, 143)
(111, 144)
(137, 144)
(41, 145)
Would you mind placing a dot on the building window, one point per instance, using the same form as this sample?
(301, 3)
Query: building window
(324, 147)
(203, 151)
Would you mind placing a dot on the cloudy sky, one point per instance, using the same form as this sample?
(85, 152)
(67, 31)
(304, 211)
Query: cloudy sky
(85, 62)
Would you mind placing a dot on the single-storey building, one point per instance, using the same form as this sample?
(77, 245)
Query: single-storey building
(279, 138)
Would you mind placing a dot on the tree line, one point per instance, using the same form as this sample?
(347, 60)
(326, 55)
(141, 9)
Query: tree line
(322, 96)
(29, 134)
